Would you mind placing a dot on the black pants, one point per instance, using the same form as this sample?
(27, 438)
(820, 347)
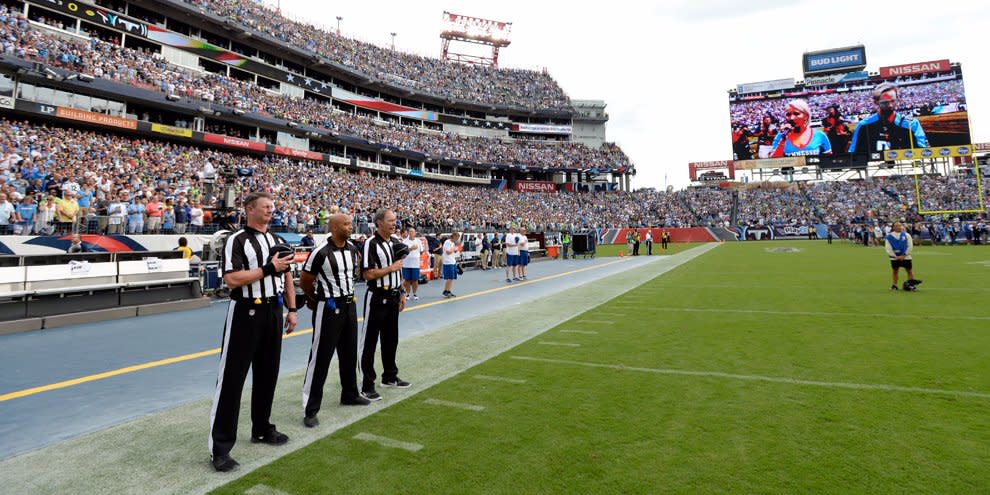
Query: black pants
(649, 248)
(636, 248)
(381, 320)
(663, 243)
(333, 330)
(252, 338)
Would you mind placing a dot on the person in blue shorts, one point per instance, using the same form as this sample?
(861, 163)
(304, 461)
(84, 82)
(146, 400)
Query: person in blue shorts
(511, 256)
(450, 263)
(410, 264)
(523, 253)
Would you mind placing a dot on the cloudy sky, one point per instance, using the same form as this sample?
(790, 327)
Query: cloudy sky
(663, 68)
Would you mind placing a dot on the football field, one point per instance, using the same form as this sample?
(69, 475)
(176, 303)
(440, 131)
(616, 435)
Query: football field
(768, 367)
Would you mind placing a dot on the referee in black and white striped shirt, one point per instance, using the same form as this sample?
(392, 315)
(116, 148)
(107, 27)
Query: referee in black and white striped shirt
(252, 334)
(383, 302)
(328, 280)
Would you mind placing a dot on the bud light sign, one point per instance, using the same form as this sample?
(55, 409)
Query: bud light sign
(843, 59)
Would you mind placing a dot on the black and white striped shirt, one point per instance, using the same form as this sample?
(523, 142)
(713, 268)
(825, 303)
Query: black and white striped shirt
(378, 254)
(247, 249)
(333, 268)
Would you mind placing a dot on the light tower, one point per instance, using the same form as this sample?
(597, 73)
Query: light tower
(477, 31)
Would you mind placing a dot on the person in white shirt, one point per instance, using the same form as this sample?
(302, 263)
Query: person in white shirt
(450, 263)
(8, 215)
(410, 264)
(511, 256)
(899, 245)
(117, 211)
(523, 252)
(196, 218)
(649, 243)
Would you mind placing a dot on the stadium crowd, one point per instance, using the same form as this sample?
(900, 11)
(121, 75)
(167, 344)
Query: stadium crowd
(491, 86)
(60, 178)
(108, 60)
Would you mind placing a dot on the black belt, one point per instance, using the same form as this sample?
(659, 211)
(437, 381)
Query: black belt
(343, 300)
(385, 292)
(258, 300)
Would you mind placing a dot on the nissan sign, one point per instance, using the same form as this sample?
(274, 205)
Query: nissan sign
(842, 59)
(915, 69)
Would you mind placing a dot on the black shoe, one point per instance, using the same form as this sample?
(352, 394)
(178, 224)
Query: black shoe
(356, 401)
(397, 383)
(224, 463)
(893, 287)
(914, 282)
(311, 421)
(273, 437)
(371, 395)
(450, 295)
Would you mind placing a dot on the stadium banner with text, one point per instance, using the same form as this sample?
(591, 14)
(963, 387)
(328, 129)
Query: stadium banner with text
(764, 86)
(536, 186)
(542, 128)
(933, 67)
(791, 161)
(924, 153)
(234, 142)
(171, 130)
(853, 57)
(308, 155)
(95, 118)
(859, 75)
(981, 146)
(711, 170)
(842, 118)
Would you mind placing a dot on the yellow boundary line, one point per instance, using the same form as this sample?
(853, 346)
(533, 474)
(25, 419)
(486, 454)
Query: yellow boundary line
(196, 355)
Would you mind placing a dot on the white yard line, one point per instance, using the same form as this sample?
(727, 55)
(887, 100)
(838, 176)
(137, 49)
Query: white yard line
(455, 405)
(762, 378)
(388, 442)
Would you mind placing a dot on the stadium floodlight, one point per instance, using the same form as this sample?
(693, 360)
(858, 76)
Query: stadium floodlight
(86, 78)
(313, 134)
(293, 124)
(204, 109)
(172, 97)
(238, 111)
(474, 30)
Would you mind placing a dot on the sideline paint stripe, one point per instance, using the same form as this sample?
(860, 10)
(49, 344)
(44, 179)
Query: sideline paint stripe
(499, 379)
(560, 344)
(455, 405)
(582, 332)
(769, 379)
(819, 313)
(196, 355)
(389, 442)
(604, 322)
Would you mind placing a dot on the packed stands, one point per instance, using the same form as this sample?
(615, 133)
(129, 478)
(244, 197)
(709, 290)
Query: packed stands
(491, 86)
(107, 60)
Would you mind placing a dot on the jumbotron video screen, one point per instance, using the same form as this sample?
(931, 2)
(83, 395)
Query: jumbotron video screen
(874, 114)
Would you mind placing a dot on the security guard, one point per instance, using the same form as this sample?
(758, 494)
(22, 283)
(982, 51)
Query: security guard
(260, 286)
(328, 280)
(382, 304)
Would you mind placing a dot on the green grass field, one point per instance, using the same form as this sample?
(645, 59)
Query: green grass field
(744, 371)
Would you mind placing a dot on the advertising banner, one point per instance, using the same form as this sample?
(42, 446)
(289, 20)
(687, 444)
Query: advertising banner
(536, 186)
(542, 128)
(234, 142)
(763, 86)
(853, 57)
(171, 130)
(932, 67)
(95, 118)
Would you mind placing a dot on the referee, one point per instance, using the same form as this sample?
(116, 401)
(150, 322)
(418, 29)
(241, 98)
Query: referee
(252, 334)
(382, 304)
(328, 280)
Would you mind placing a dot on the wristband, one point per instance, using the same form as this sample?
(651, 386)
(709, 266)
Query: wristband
(293, 310)
(268, 270)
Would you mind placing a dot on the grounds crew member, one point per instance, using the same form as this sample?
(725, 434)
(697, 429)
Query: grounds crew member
(899, 246)
(328, 280)
(565, 243)
(383, 302)
(256, 269)
(664, 239)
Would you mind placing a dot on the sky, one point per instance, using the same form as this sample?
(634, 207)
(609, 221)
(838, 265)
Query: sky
(664, 68)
